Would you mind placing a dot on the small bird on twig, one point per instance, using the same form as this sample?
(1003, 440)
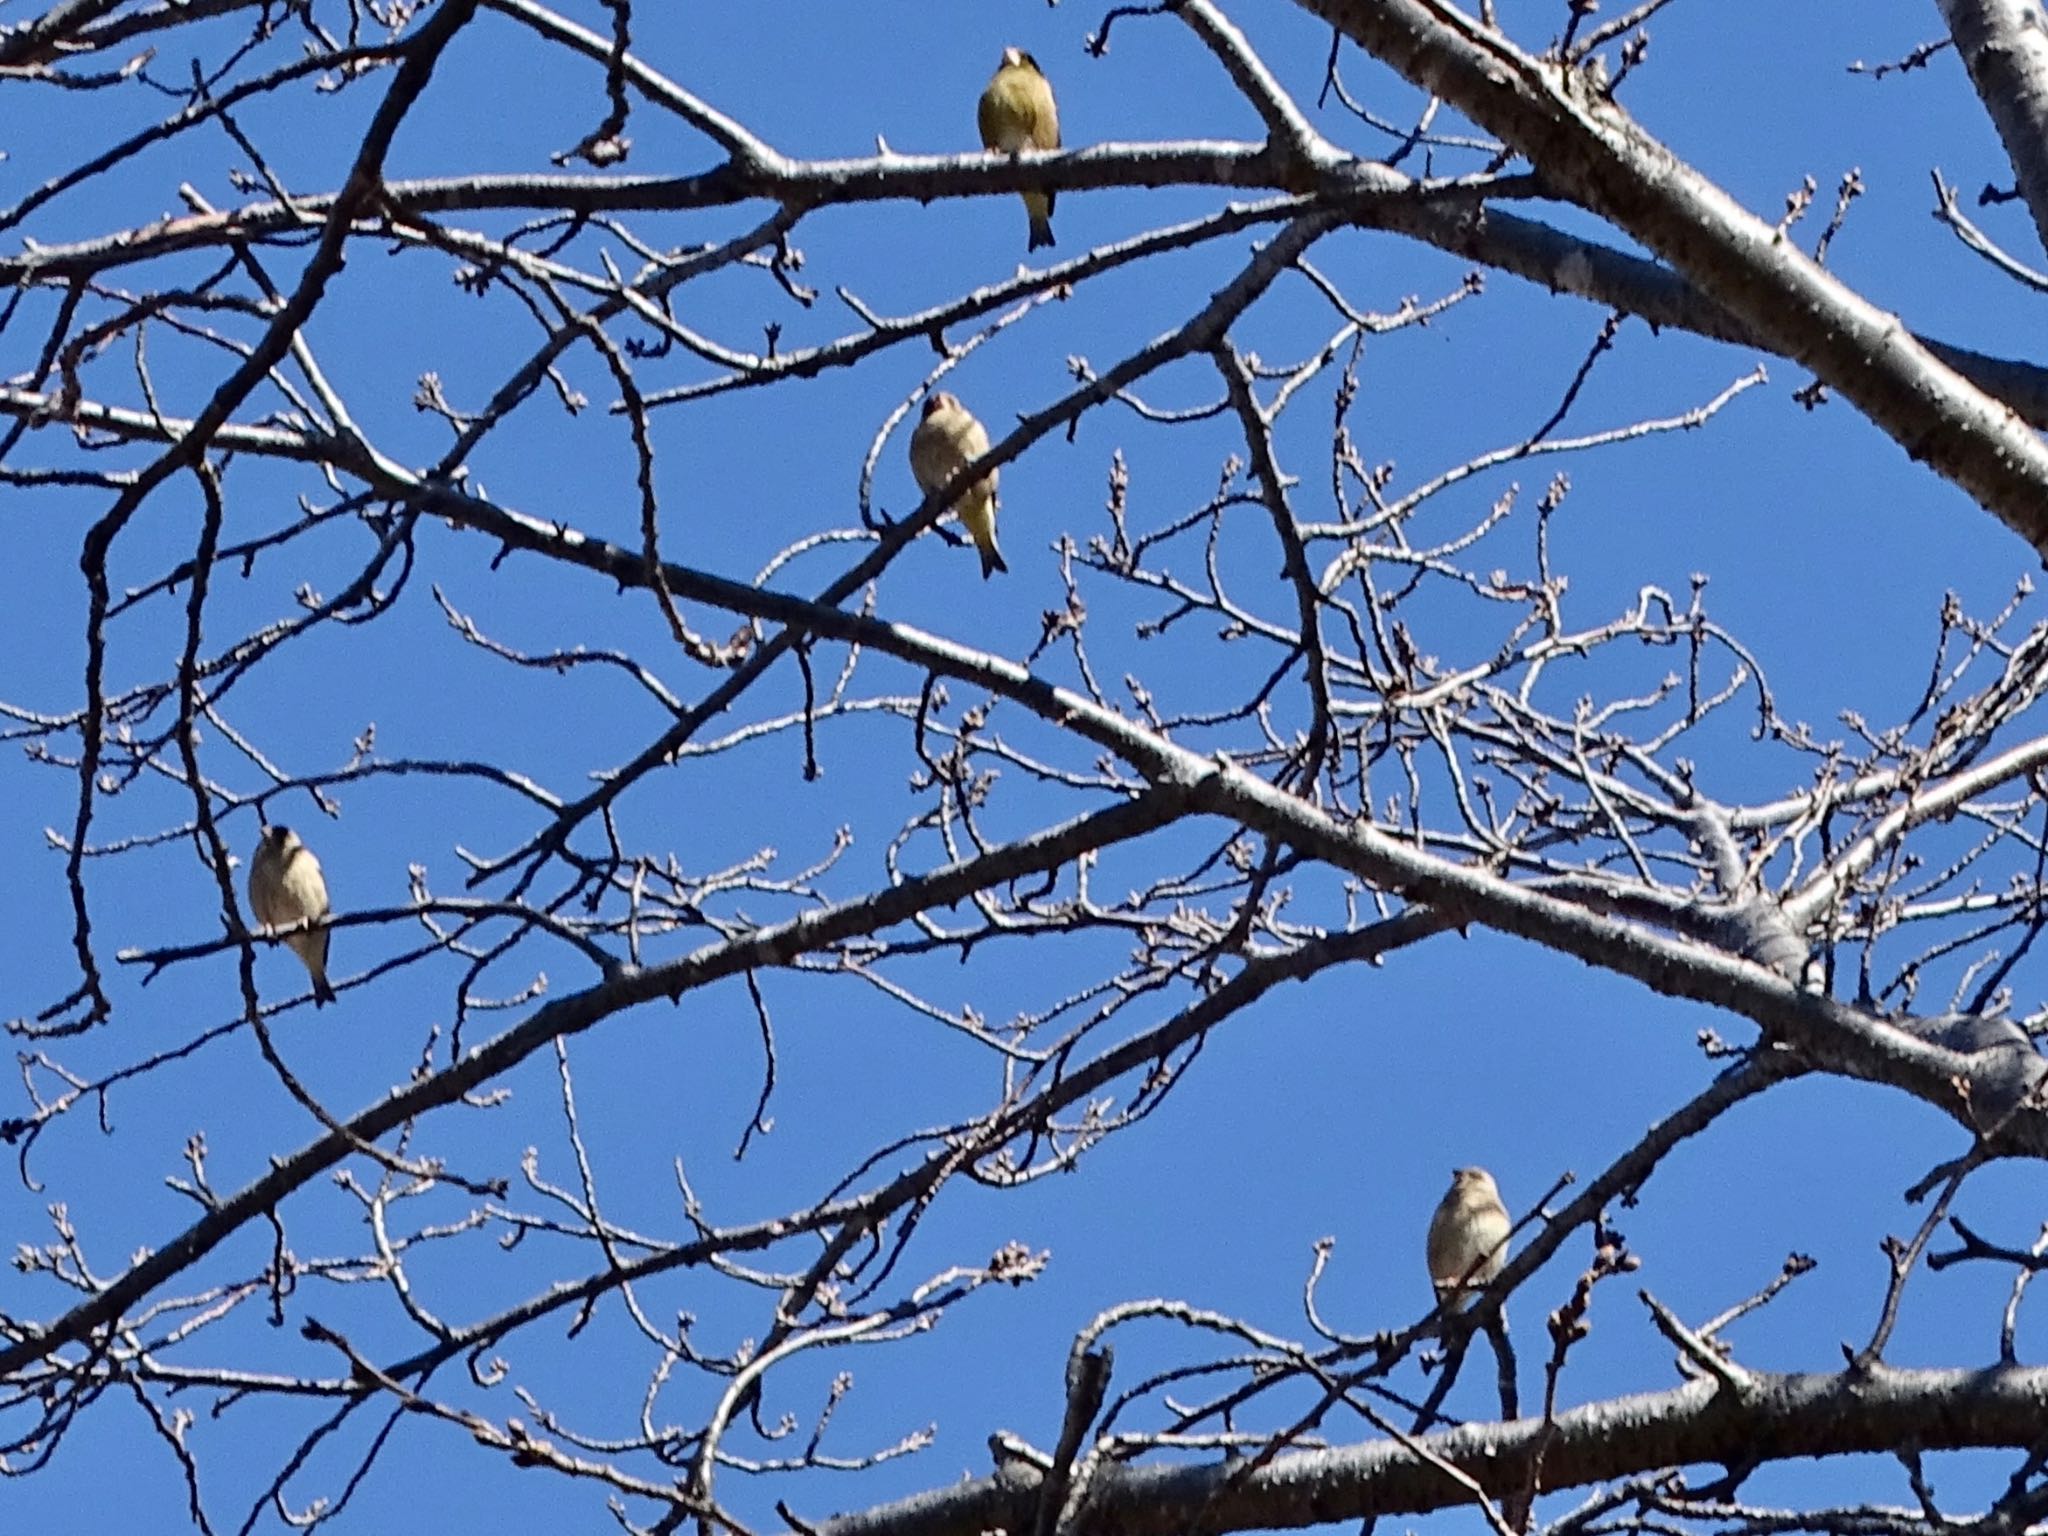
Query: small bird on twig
(946, 441)
(286, 888)
(1468, 1236)
(1018, 113)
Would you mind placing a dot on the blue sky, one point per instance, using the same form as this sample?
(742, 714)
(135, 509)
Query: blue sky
(1335, 1108)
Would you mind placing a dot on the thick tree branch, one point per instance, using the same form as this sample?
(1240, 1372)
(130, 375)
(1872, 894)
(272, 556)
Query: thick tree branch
(2005, 48)
(1775, 1418)
(1830, 1034)
(1592, 151)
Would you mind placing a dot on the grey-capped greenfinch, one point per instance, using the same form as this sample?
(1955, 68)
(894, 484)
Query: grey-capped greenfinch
(286, 888)
(947, 439)
(1018, 113)
(1468, 1236)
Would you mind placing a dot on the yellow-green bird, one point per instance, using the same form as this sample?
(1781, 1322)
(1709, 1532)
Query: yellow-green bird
(286, 888)
(1018, 113)
(946, 441)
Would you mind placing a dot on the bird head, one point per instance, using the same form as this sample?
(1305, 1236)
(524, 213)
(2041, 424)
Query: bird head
(1473, 1182)
(1017, 58)
(280, 839)
(938, 400)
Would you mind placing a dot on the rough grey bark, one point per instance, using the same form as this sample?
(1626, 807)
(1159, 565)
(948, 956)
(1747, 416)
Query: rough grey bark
(1593, 152)
(1751, 1417)
(2004, 45)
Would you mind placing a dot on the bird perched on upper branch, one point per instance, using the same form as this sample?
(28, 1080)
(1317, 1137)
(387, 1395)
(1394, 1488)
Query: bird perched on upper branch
(1018, 113)
(946, 441)
(1468, 1236)
(286, 888)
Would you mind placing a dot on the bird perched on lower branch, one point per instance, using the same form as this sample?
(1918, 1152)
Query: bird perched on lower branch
(946, 441)
(286, 888)
(1468, 1236)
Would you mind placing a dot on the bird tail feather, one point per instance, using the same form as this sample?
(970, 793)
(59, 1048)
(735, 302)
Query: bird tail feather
(1039, 206)
(311, 948)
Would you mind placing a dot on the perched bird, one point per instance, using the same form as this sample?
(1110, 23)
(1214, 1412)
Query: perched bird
(1468, 1236)
(287, 888)
(947, 439)
(1018, 113)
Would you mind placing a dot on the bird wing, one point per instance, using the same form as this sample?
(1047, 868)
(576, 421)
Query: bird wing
(988, 115)
(263, 892)
(1045, 124)
(932, 457)
(309, 885)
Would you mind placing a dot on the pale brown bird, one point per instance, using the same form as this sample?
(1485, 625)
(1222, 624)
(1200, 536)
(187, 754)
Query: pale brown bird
(946, 441)
(286, 888)
(1468, 1236)
(1018, 113)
